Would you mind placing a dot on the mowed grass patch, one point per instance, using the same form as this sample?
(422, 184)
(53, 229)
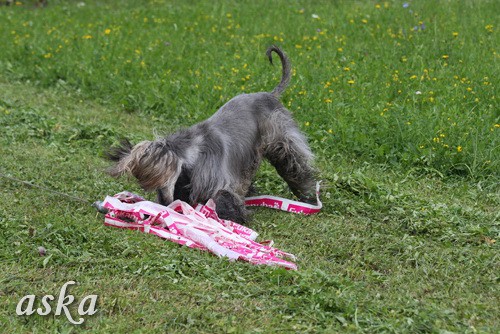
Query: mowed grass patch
(406, 241)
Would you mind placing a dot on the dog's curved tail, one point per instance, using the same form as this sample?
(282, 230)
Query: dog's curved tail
(286, 69)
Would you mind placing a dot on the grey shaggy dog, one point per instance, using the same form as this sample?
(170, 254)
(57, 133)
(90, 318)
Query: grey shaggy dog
(218, 158)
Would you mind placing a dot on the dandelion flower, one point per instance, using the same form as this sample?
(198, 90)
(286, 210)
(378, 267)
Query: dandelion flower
(459, 149)
(87, 37)
(107, 31)
(351, 82)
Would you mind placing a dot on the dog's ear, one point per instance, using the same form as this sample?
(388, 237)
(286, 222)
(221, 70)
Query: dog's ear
(155, 166)
(116, 153)
(126, 156)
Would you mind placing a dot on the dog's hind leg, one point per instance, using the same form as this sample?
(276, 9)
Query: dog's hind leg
(287, 150)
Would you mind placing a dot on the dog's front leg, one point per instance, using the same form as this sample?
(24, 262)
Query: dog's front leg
(230, 206)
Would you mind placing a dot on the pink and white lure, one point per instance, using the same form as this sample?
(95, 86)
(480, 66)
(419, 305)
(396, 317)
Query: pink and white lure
(200, 227)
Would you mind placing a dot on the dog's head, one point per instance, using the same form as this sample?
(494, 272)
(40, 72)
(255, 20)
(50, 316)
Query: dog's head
(152, 163)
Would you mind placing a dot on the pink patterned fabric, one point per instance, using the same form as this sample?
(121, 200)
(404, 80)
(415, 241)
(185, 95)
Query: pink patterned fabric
(201, 228)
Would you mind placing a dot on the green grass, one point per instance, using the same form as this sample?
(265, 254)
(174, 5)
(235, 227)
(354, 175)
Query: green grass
(404, 123)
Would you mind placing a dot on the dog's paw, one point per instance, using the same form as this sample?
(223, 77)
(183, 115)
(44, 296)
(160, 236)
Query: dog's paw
(230, 207)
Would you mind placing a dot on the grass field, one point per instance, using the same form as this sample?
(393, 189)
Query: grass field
(399, 101)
